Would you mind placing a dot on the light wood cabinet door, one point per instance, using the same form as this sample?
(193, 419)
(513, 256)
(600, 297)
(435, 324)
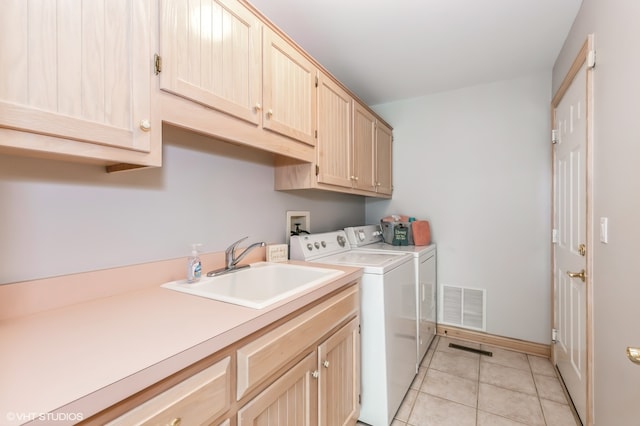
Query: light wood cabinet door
(334, 156)
(289, 90)
(211, 54)
(384, 159)
(339, 379)
(364, 124)
(77, 72)
(292, 400)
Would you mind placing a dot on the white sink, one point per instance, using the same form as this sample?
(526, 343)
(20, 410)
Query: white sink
(259, 286)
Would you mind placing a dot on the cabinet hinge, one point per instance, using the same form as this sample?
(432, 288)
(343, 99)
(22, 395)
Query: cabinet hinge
(317, 170)
(359, 399)
(316, 81)
(554, 335)
(316, 134)
(555, 136)
(157, 64)
(359, 328)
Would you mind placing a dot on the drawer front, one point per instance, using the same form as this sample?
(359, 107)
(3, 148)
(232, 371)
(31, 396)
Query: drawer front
(265, 355)
(196, 400)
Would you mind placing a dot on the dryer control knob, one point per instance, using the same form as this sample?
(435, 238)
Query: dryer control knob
(309, 247)
(317, 244)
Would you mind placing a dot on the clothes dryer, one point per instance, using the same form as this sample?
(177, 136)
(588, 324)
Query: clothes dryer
(369, 237)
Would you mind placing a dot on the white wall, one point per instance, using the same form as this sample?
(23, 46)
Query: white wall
(476, 163)
(616, 177)
(59, 218)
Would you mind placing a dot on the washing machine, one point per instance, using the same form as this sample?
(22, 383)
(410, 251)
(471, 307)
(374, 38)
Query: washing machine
(387, 334)
(369, 237)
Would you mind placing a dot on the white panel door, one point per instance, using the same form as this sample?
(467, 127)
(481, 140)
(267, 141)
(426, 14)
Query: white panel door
(570, 252)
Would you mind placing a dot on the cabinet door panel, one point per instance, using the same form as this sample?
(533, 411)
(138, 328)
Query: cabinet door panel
(211, 54)
(289, 92)
(76, 70)
(363, 148)
(334, 134)
(339, 361)
(292, 400)
(384, 159)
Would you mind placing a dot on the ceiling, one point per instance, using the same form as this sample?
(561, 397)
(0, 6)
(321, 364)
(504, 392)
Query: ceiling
(386, 50)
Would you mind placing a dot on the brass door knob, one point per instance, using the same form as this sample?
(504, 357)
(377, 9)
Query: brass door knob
(634, 355)
(580, 275)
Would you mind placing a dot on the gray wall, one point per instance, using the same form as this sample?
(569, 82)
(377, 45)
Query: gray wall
(59, 218)
(476, 162)
(616, 185)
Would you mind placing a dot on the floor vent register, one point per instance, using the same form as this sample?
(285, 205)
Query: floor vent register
(468, 349)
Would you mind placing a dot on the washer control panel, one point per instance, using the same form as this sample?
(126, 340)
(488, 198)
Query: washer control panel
(312, 246)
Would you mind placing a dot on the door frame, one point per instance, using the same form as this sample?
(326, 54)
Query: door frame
(583, 56)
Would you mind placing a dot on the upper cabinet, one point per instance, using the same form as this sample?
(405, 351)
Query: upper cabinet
(353, 151)
(383, 159)
(211, 53)
(333, 152)
(289, 90)
(75, 81)
(225, 73)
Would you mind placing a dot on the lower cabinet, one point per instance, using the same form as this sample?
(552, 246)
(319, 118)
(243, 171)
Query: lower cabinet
(322, 389)
(301, 370)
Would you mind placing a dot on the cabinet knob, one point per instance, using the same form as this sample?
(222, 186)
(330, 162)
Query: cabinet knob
(176, 422)
(325, 364)
(269, 113)
(258, 107)
(378, 184)
(145, 125)
(315, 374)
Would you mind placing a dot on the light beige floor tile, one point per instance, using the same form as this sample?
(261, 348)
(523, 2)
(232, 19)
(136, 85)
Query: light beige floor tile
(453, 388)
(550, 388)
(430, 410)
(558, 414)
(488, 419)
(540, 365)
(443, 346)
(458, 365)
(507, 377)
(407, 405)
(506, 357)
(514, 405)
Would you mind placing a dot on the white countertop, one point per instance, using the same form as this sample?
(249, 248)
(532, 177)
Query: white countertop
(77, 360)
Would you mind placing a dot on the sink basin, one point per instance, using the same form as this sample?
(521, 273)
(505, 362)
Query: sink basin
(259, 286)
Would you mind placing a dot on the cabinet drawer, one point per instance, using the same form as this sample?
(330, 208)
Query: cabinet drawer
(196, 400)
(263, 356)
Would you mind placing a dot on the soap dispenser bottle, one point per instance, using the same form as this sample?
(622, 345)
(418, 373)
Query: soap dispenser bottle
(194, 266)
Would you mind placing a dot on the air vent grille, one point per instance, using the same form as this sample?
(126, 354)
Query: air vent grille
(463, 307)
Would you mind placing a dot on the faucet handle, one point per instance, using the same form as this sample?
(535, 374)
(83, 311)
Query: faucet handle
(233, 246)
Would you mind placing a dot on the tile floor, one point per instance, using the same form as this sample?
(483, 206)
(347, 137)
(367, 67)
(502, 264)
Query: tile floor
(459, 388)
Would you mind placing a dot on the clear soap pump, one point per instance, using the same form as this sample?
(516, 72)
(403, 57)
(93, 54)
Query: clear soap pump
(194, 266)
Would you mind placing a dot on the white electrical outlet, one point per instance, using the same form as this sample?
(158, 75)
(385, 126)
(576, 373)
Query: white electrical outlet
(277, 253)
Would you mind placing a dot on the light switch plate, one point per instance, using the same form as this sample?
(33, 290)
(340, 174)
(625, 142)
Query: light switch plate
(277, 253)
(604, 230)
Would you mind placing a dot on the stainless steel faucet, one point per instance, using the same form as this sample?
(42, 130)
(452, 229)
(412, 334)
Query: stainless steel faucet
(231, 260)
